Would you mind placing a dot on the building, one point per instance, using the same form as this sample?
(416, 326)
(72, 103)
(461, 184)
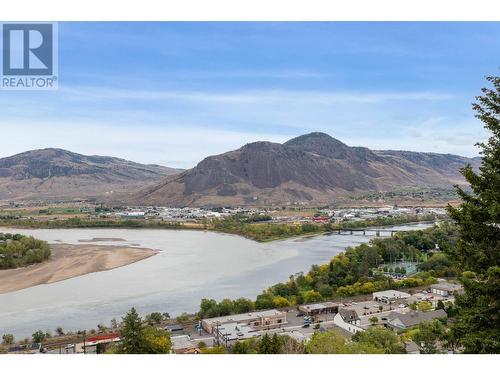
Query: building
(390, 296)
(398, 321)
(182, 345)
(97, 344)
(348, 319)
(320, 308)
(258, 319)
(174, 328)
(446, 289)
(228, 333)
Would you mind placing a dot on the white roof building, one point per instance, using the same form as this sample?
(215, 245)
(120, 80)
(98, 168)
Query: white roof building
(389, 296)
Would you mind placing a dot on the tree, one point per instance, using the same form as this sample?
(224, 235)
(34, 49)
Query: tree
(281, 302)
(137, 338)
(276, 344)
(240, 348)
(329, 342)
(154, 318)
(59, 331)
(214, 350)
(265, 345)
(373, 320)
(38, 336)
(243, 305)
(428, 336)
(132, 334)
(7, 339)
(440, 305)
(380, 338)
(477, 249)
(157, 341)
(424, 306)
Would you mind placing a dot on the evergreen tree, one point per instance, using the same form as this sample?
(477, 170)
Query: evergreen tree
(133, 334)
(478, 246)
(276, 345)
(265, 345)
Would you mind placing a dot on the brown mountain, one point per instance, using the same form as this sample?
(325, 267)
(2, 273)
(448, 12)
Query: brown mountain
(311, 169)
(59, 175)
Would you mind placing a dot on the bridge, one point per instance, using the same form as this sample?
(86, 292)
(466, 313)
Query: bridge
(368, 232)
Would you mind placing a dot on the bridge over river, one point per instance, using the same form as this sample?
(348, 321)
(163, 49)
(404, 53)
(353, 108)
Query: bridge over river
(377, 232)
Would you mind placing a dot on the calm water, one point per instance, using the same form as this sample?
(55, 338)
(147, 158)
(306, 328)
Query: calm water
(191, 265)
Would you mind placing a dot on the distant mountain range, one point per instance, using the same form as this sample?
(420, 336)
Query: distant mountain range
(55, 174)
(312, 169)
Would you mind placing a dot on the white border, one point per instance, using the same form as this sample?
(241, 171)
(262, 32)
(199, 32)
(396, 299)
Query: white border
(247, 364)
(251, 10)
(255, 10)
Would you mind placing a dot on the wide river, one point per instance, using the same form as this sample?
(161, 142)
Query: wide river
(191, 265)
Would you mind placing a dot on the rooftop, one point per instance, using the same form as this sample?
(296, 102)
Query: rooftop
(319, 306)
(348, 315)
(449, 287)
(235, 331)
(181, 342)
(244, 317)
(391, 294)
(415, 317)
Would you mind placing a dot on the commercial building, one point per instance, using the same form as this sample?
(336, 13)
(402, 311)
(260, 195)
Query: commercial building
(390, 296)
(229, 333)
(445, 289)
(258, 320)
(320, 308)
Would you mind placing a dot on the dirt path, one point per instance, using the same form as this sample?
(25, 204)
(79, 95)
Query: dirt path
(69, 261)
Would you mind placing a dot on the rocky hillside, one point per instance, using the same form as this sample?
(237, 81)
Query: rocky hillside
(311, 169)
(60, 174)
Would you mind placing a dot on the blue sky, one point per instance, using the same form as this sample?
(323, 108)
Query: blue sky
(174, 93)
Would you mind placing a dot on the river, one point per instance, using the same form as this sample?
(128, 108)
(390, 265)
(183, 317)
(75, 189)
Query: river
(190, 265)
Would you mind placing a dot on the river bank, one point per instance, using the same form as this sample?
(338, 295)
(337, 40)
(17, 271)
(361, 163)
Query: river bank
(68, 261)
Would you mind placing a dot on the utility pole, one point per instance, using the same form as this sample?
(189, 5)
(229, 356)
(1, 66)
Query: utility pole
(84, 345)
(217, 329)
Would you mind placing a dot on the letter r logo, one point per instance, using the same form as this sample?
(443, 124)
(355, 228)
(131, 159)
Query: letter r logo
(27, 49)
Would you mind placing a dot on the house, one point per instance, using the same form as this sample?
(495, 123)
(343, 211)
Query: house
(398, 321)
(446, 289)
(348, 319)
(258, 319)
(390, 296)
(320, 308)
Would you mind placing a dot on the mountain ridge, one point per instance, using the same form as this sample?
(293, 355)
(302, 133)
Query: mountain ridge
(54, 173)
(312, 169)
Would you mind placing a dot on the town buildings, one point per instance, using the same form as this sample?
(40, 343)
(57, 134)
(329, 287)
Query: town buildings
(259, 320)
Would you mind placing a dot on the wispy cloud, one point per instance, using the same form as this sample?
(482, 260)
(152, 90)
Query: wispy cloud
(253, 96)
